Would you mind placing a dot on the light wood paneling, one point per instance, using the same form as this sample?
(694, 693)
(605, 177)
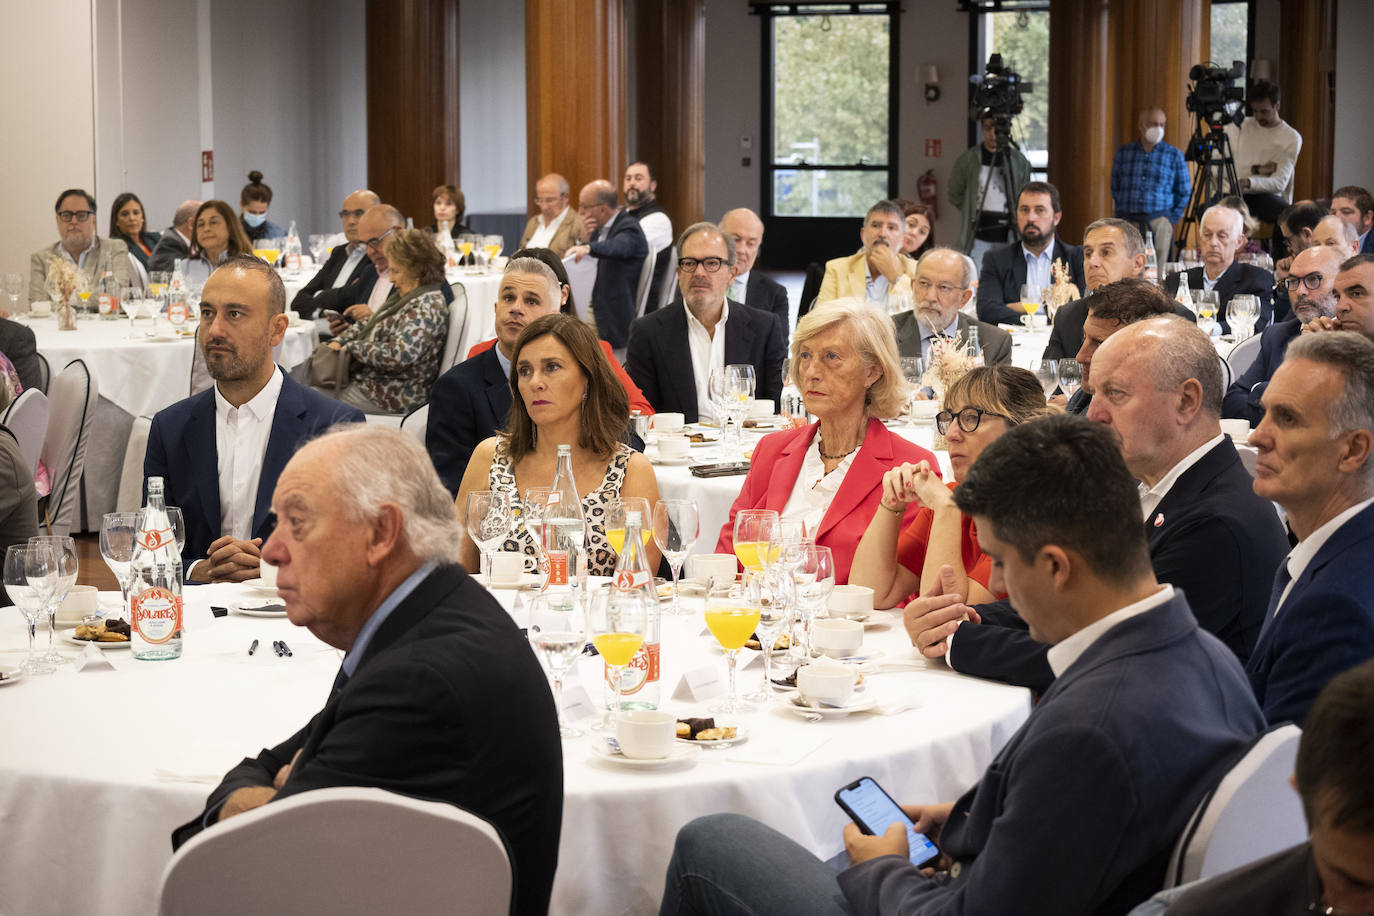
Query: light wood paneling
(670, 91)
(1307, 83)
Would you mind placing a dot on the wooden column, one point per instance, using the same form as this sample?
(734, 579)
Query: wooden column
(670, 93)
(412, 101)
(1307, 83)
(575, 90)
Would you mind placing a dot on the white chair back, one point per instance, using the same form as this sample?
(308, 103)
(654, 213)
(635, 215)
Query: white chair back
(27, 418)
(668, 289)
(455, 350)
(342, 850)
(71, 413)
(416, 423)
(130, 496)
(1252, 813)
(1243, 355)
(646, 282)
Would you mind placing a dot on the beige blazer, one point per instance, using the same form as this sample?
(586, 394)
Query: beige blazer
(845, 277)
(119, 258)
(569, 232)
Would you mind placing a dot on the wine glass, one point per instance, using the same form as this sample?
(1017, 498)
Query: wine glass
(775, 598)
(531, 516)
(177, 521)
(1070, 376)
(814, 578)
(64, 553)
(617, 510)
(466, 243)
(117, 532)
(492, 245)
(558, 632)
(317, 249)
(913, 369)
(618, 620)
(732, 616)
(715, 386)
(488, 522)
(756, 538)
(1241, 314)
(30, 577)
(1208, 305)
(131, 307)
(739, 390)
(14, 284)
(677, 524)
(1047, 371)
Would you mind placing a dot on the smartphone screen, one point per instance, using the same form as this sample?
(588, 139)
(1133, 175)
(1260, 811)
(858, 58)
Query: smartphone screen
(874, 811)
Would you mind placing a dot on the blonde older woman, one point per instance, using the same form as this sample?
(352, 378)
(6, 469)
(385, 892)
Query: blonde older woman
(828, 475)
(396, 350)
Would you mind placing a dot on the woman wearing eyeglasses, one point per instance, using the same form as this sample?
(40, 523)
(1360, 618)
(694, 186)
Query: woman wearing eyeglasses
(898, 559)
(217, 235)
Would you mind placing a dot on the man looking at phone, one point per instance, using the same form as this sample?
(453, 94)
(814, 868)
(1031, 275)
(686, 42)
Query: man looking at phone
(1078, 812)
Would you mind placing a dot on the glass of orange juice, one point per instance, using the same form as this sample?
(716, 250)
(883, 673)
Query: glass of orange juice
(618, 621)
(615, 520)
(756, 539)
(732, 615)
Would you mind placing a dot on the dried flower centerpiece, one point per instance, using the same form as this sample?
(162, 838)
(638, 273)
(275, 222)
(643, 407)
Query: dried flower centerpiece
(1062, 290)
(64, 280)
(948, 361)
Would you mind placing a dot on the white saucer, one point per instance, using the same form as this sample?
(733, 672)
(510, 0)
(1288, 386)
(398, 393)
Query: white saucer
(70, 636)
(526, 580)
(877, 619)
(257, 586)
(682, 752)
(672, 462)
(253, 609)
(9, 676)
(793, 703)
(741, 735)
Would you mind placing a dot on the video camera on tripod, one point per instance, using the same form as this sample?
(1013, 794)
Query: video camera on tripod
(997, 95)
(1217, 101)
(1214, 96)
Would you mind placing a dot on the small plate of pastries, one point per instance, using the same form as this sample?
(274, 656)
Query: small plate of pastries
(111, 633)
(707, 733)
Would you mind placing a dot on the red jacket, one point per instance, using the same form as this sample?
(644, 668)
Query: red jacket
(637, 400)
(777, 462)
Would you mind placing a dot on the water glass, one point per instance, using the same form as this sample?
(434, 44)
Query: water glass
(14, 285)
(1047, 372)
(31, 578)
(68, 563)
(117, 533)
(739, 391)
(1070, 376)
(814, 579)
(1242, 313)
(487, 517)
(677, 525)
(558, 632)
(776, 597)
(913, 369)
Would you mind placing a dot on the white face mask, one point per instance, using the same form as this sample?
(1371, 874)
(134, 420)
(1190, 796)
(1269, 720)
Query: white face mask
(1153, 135)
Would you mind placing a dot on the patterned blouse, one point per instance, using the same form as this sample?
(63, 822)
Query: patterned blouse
(601, 559)
(396, 352)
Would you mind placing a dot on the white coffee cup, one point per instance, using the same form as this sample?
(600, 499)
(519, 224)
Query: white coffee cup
(80, 601)
(837, 637)
(1238, 430)
(720, 567)
(666, 422)
(829, 684)
(674, 447)
(506, 567)
(40, 309)
(269, 574)
(760, 408)
(850, 601)
(646, 734)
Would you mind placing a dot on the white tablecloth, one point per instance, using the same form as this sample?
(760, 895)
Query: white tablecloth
(80, 786)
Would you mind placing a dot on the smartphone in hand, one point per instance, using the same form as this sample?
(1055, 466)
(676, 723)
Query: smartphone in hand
(873, 810)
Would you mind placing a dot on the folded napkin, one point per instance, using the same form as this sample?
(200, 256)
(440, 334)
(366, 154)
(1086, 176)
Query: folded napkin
(784, 748)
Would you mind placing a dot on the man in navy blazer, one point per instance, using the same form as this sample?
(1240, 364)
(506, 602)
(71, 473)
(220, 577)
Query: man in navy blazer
(618, 244)
(1006, 268)
(1079, 811)
(672, 351)
(348, 274)
(1222, 233)
(1207, 533)
(759, 292)
(219, 452)
(1315, 461)
(1318, 264)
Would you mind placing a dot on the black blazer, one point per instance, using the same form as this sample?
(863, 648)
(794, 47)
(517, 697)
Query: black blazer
(658, 359)
(1237, 279)
(1066, 337)
(1003, 274)
(182, 451)
(21, 348)
(1215, 540)
(320, 293)
(619, 260)
(447, 703)
(168, 250)
(994, 342)
(1243, 398)
(467, 404)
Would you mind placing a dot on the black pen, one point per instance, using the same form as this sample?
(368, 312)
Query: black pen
(253, 648)
(276, 647)
(285, 649)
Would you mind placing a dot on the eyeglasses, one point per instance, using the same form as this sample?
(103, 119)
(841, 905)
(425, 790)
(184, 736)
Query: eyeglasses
(546, 200)
(79, 215)
(689, 265)
(944, 290)
(376, 244)
(351, 214)
(1311, 281)
(968, 418)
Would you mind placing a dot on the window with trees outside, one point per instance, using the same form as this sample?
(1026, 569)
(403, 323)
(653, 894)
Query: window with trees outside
(1230, 32)
(831, 97)
(1022, 37)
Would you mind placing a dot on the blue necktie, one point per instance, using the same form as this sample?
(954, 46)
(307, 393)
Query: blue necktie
(1281, 579)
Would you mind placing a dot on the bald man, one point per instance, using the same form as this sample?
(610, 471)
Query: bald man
(1150, 183)
(555, 226)
(1222, 233)
(348, 275)
(751, 287)
(614, 238)
(175, 241)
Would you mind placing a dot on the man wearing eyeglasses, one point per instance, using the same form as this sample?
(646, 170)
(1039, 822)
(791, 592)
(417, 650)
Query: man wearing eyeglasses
(375, 226)
(79, 246)
(347, 276)
(1311, 284)
(718, 333)
(555, 226)
(944, 283)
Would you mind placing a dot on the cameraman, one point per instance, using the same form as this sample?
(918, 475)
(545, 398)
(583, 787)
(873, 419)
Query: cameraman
(1266, 150)
(1150, 183)
(972, 171)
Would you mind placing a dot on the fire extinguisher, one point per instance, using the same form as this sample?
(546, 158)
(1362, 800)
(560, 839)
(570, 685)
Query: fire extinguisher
(925, 191)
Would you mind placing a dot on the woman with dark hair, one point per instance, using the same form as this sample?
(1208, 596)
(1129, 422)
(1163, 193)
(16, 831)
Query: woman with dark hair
(129, 224)
(254, 200)
(450, 206)
(566, 394)
(897, 562)
(920, 229)
(396, 350)
(216, 235)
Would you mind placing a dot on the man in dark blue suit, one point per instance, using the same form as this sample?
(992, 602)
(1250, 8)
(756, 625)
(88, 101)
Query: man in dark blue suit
(1222, 234)
(1315, 461)
(751, 287)
(1007, 268)
(1312, 283)
(1354, 205)
(672, 351)
(219, 452)
(618, 244)
(346, 278)
(1158, 386)
(1079, 811)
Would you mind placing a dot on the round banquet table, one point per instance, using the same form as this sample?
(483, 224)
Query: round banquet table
(99, 766)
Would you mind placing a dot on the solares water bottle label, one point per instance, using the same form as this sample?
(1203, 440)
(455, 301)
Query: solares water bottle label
(156, 614)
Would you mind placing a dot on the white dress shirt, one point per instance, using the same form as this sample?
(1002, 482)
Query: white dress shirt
(1038, 274)
(355, 255)
(241, 435)
(1067, 651)
(544, 234)
(814, 489)
(1307, 548)
(875, 287)
(1151, 497)
(708, 352)
(739, 287)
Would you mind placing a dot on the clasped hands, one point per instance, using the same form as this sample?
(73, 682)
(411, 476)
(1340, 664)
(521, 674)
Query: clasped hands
(908, 483)
(250, 797)
(230, 560)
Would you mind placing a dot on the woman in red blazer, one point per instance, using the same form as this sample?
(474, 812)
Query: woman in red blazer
(829, 474)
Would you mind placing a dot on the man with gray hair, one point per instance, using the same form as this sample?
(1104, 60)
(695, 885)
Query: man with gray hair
(175, 242)
(555, 226)
(1337, 233)
(1112, 249)
(614, 238)
(943, 286)
(879, 267)
(1315, 461)
(718, 333)
(1222, 233)
(439, 695)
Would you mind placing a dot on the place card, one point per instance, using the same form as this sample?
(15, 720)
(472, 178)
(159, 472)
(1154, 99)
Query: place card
(780, 748)
(577, 703)
(92, 659)
(700, 684)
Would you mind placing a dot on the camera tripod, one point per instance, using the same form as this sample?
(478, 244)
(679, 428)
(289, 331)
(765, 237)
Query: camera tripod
(1210, 148)
(1001, 166)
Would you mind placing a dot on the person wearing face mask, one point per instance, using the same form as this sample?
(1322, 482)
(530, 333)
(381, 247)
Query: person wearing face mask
(254, 200)
(1150, 184)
